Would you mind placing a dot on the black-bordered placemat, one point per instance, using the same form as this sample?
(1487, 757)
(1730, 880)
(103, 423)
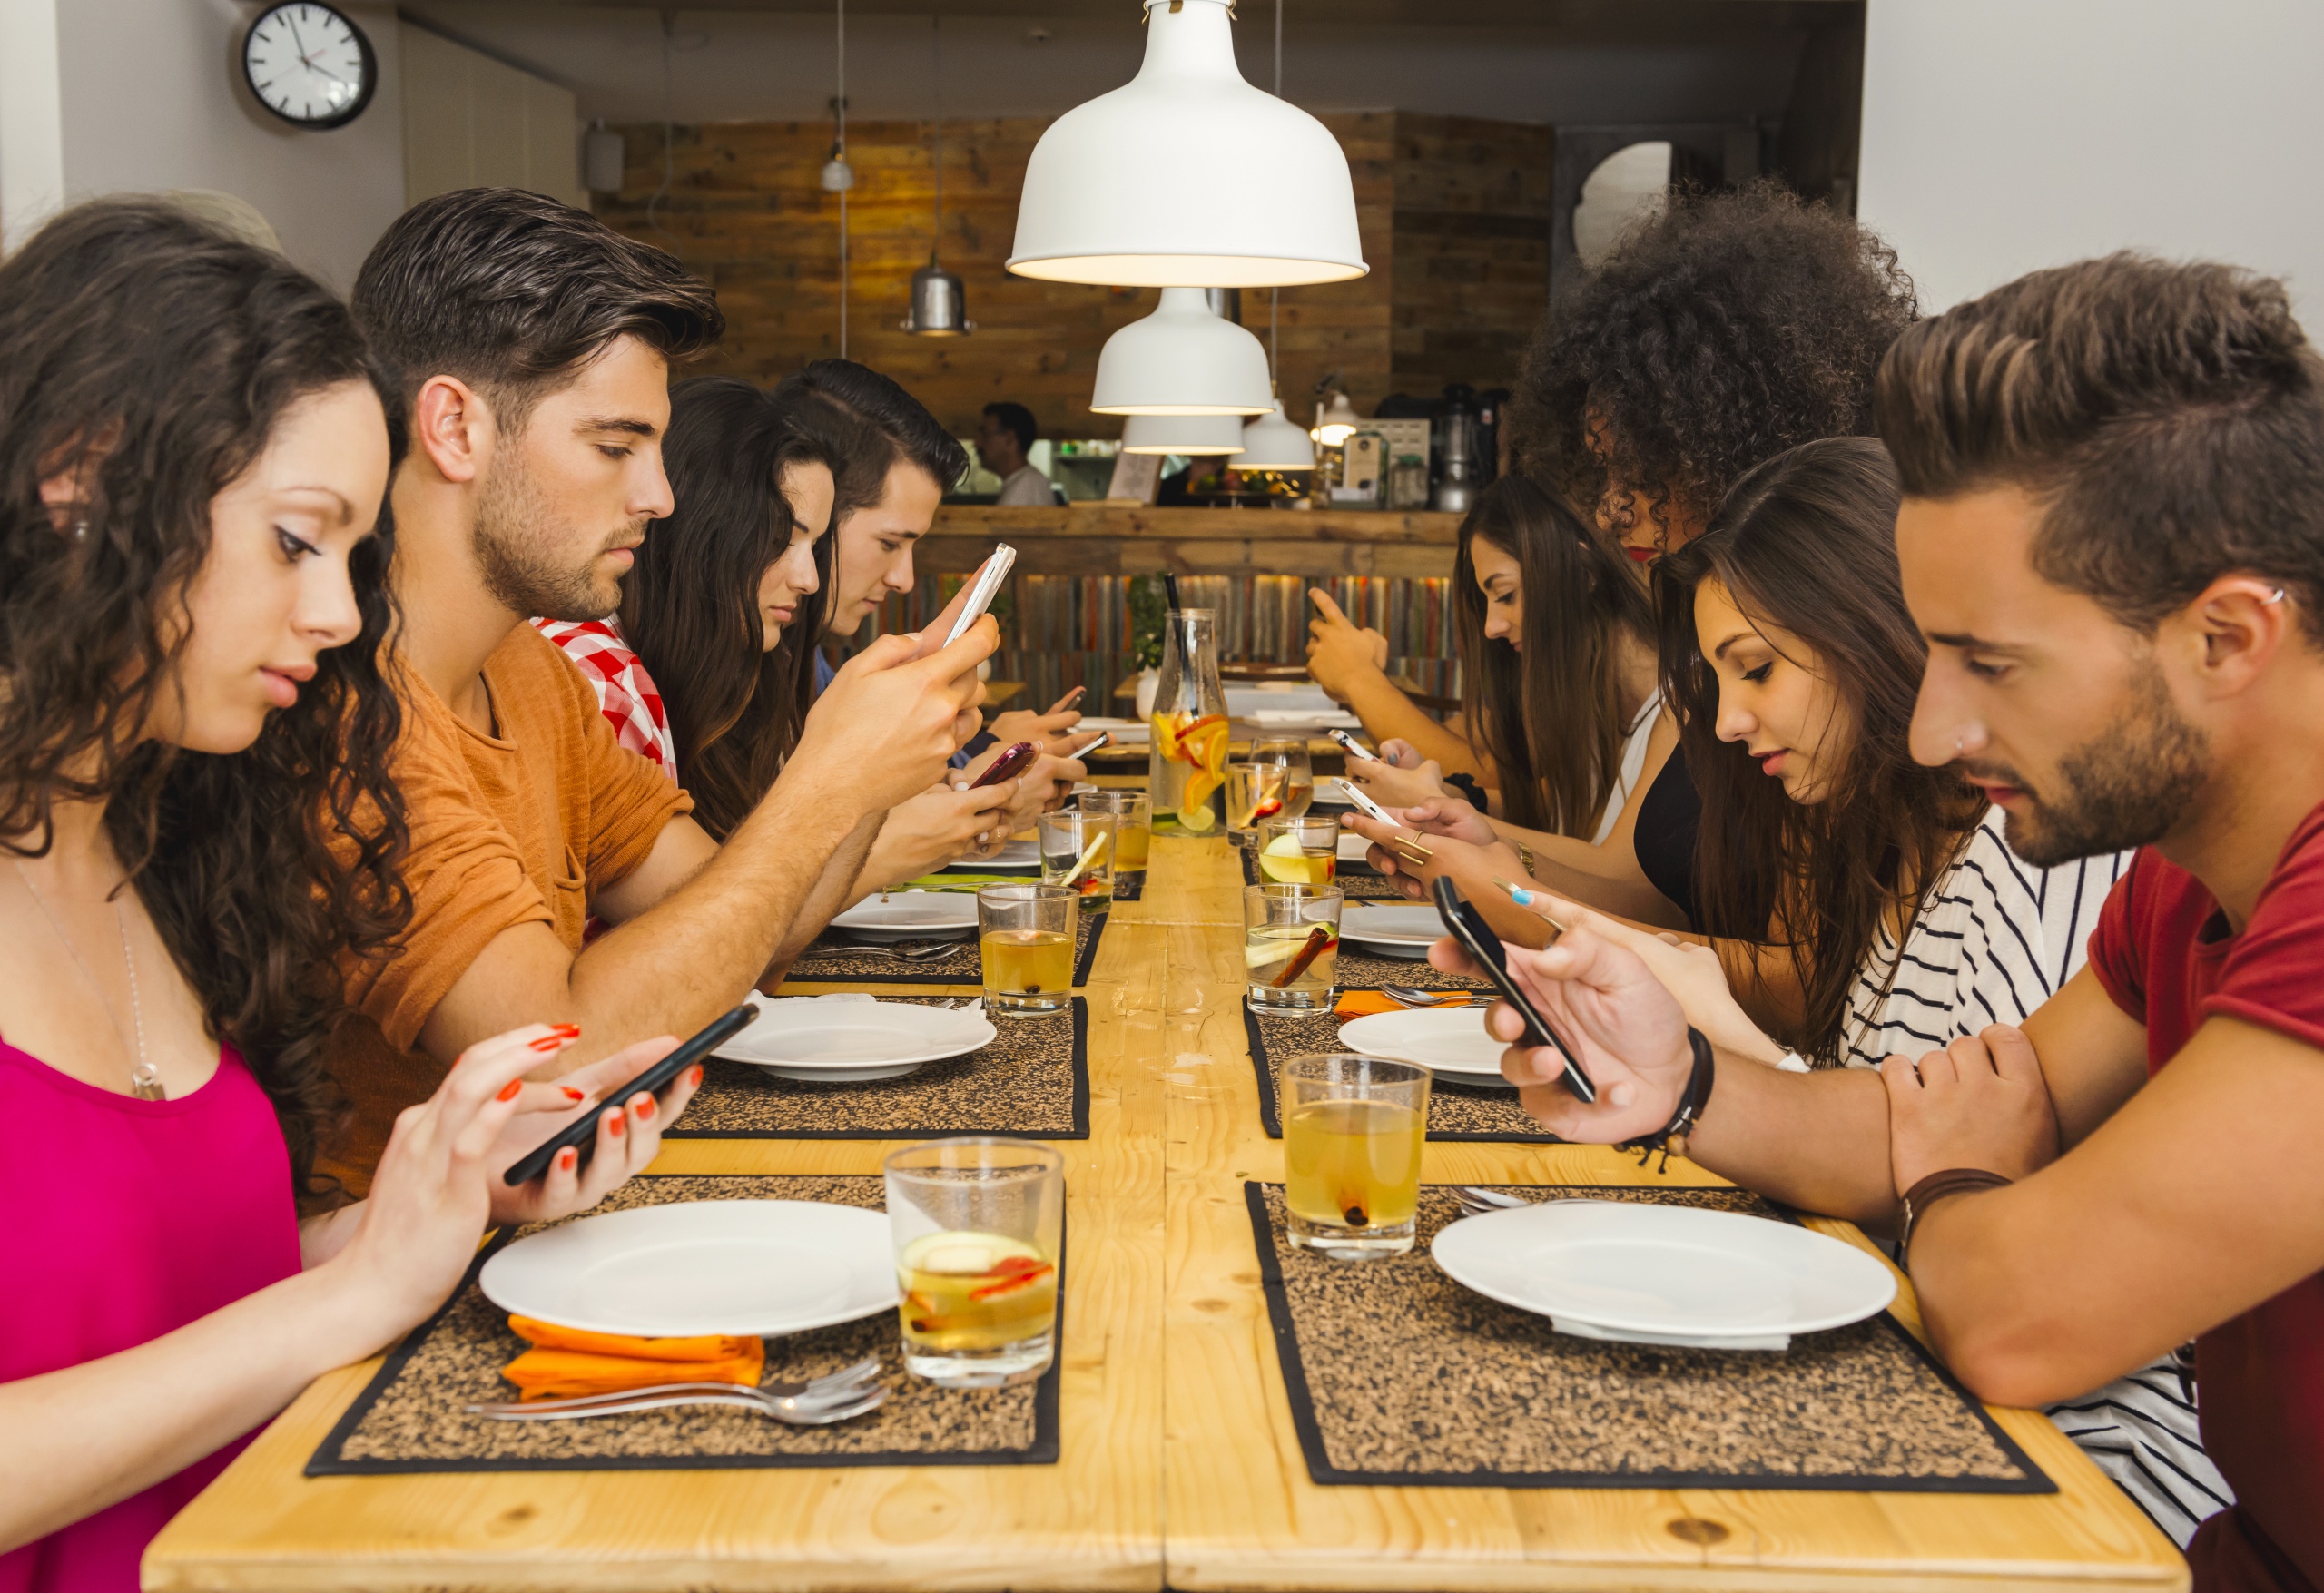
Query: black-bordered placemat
(409, 1417)
(1474, 1112)
(831, 957)
(1400, 1377)
(1357, 881)
(1032, 1080)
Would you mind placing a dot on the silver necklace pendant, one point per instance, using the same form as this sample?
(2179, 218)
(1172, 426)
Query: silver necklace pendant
(145, 1083)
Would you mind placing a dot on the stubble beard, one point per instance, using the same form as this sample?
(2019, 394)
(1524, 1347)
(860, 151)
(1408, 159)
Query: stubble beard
(516, 543)
(2128, 786)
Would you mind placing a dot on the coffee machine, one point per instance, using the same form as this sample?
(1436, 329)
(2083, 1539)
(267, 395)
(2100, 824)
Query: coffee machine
(1456, 450)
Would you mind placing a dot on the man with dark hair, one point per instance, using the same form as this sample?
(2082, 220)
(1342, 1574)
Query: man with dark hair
(1004, 442)
(2112, 537)
(533, 345)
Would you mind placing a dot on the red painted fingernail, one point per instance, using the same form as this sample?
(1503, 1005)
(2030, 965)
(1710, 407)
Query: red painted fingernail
(574, 1094)
(547, 1043)
(616, 1125)
(646, 1109)
(569, 1158)
(571, 1031)
(514, 1087)
(694, 1074)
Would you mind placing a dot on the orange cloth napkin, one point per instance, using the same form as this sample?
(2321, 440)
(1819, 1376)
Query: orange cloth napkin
(565, 1362)
(1364, 1003)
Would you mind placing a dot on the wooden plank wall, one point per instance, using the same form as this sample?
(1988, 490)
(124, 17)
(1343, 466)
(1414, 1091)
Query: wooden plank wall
(1453, 212)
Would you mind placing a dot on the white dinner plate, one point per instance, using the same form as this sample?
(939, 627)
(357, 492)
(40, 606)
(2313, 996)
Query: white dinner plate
(1412, 929)
(908, 915)
(1664, 1273)
(1449, 1040)
(1015, 854)
(757, 1267)
(1127, 732)
(1353, 848)
(850, 1038)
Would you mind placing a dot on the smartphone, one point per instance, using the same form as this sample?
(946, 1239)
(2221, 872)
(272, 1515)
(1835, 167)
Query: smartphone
(1362, 800)
(581, 1132)
(1105, 738)
(1468, 925)
(982, 591)
(1355, 749)
(1007, 766)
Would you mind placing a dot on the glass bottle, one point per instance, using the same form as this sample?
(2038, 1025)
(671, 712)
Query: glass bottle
(1187, 761)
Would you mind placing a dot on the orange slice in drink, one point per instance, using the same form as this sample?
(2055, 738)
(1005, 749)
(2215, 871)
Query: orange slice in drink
(1194, 804)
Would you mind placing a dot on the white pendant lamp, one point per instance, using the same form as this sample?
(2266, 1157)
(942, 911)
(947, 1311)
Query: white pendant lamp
(1338, 422)
(1182, 434)
(1271, 443)
(1183, 359)
(1124, 190)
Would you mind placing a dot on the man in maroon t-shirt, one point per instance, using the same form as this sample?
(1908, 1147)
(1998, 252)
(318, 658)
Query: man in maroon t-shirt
(2112, 538)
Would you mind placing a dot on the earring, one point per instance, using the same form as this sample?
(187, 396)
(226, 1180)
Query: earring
(80, 530)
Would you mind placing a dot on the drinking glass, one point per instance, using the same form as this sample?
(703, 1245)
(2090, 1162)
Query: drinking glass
(976, 1222)
(1253, 791)
(1133, 813)
(1299, 851)
(1352, 1133)
(1290, 945)
(1289, 753)
(1026, 933)
(1077, 854)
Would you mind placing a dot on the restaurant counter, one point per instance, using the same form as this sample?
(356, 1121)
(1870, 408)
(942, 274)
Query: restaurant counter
(1131, 539)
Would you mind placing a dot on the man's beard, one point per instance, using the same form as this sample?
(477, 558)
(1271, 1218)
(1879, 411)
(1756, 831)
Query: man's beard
(2127, 786)
(515, 541)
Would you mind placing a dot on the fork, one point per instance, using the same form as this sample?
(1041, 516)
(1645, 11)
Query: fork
(1477, 1201)
(1410, 996)
(837, 1396)
(901, 952)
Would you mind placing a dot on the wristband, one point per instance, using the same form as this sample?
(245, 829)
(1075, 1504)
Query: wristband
(1466, 785)
(1928, 1191)
(1525, 856)
(1691, 1102)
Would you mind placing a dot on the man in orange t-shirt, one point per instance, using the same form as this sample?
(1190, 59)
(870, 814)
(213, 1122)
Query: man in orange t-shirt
(533, 344)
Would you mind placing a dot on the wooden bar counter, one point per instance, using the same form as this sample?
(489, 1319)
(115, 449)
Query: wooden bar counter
(1132, 539)
(1180, 1464)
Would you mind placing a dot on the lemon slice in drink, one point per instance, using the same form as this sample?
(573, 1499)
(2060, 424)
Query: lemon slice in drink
(964, 1253)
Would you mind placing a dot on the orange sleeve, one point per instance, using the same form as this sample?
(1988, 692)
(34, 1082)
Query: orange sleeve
(468, 884)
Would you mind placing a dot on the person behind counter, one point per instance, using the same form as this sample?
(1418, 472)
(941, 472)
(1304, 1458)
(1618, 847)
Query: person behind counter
(1004, 437)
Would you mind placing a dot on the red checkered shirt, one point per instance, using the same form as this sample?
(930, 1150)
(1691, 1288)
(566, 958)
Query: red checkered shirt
(626, 694)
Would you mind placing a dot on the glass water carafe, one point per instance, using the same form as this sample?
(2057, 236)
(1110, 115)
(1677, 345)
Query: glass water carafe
(1187, 763)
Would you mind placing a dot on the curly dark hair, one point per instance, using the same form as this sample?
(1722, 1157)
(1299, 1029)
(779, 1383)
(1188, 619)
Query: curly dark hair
(1720, 331)
(152, 357)
(691, 608)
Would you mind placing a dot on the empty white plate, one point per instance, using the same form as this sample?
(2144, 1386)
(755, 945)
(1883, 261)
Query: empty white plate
(1412, 930)
(1353, 848)
(1451, 1041)
(1664, 1273)
(905, 915)
(759, 1267)
(850, 1038)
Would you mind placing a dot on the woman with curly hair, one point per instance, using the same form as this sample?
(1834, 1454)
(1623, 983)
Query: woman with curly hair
(1722, 330)
(196, 819)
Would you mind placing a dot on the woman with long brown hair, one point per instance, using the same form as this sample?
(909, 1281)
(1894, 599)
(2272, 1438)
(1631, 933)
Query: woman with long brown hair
(196, 820)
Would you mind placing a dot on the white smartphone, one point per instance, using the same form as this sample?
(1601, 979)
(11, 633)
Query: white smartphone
(1355, 749)
(1363, 803)
(983, 590)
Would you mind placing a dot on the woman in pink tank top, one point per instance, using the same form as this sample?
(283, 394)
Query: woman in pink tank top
(194, 448)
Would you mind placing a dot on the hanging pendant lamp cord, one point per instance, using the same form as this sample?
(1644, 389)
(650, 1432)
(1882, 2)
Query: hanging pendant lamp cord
(1274, 348)
(936, 55)
(839, 110)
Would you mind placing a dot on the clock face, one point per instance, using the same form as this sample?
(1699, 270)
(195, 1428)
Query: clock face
(310, 64)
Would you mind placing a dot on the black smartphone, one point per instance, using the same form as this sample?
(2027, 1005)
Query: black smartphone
(1468, 925)
(1355, 749)
(1007, 766)
(581, 1132)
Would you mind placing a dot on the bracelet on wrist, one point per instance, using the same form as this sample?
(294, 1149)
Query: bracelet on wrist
(1691, 1102)
(1928, 1191)
(1525, 857)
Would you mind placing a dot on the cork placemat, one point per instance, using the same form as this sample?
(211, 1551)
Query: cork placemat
(1456, 1111)
(834, 956)
(409, 1417)
(1357, 881)
(1398, 1376)
(1032, 1080)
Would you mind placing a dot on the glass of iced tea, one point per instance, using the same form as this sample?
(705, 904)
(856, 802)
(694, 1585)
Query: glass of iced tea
(978, 1222)
(1352, 1134)
(1289, 753)
(1253, 791)
(1077, 854)
(1299, 851)
(1290, 945)
(1133, 813)
(1026, 933)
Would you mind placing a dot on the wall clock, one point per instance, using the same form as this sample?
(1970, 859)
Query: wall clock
(310, 64)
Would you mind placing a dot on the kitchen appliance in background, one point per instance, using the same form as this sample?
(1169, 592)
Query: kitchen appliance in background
(1362, 472)
(1491, 404)
(1457, 447)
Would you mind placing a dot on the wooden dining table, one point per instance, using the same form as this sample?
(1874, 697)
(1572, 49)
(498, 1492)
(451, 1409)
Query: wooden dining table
(1180, 1465)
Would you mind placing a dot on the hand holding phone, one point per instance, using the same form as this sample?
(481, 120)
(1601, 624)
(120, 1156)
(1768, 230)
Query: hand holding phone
(1103, 738)
(1007, 766)
(581, 1134)
(968, 604)
(1468, 925)
(1362, 800)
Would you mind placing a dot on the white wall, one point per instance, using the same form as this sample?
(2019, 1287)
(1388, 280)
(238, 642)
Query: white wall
(152, 98)
(2004, 135)
(32, 127)
(470, 121)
